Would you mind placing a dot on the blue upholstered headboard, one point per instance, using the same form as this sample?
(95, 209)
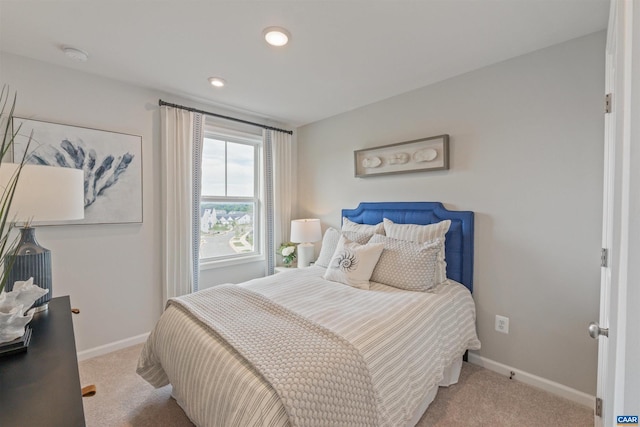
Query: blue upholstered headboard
(459, 239)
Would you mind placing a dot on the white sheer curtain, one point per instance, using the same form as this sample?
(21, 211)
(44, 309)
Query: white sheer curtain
(181, 141)
(278, 191)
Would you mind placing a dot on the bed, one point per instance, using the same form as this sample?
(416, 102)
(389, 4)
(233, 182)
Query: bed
(393, 348)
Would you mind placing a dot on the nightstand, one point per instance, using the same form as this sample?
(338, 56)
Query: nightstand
(41, 387)
(281, 269)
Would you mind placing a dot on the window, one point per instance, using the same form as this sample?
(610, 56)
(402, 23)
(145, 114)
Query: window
(230, 220)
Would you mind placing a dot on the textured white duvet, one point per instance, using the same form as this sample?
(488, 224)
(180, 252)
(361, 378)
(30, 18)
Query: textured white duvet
(408, 339)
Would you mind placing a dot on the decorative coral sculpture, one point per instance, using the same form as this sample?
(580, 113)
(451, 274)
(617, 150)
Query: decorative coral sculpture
(14, 306)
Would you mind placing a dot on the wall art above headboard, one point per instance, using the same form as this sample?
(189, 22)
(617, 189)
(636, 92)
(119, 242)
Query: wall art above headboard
(418, 155)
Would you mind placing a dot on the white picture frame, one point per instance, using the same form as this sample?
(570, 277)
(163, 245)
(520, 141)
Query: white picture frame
(112, 163)
(425, 154)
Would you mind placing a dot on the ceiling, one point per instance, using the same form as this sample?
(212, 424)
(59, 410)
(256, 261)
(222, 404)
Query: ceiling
(342, 54)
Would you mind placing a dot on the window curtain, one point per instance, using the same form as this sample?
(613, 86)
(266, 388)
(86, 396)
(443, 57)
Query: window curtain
(278, 192)
(181, 141)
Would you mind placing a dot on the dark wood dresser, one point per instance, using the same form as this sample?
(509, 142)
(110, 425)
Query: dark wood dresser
(42, 386)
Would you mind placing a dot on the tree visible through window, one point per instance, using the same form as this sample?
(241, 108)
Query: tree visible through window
(229, 205)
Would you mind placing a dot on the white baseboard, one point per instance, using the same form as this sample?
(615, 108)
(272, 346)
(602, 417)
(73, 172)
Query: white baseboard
(108, 348)
(534, 380)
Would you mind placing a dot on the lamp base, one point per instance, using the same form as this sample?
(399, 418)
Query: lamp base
(305, 254)
(30, 260)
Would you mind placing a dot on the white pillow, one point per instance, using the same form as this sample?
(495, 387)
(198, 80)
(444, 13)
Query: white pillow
(407, 265)
(330, 243)
(420, 234)
(353, 263)
(348, 225)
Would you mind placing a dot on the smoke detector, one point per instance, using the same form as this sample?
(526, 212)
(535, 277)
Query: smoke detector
(75, 54)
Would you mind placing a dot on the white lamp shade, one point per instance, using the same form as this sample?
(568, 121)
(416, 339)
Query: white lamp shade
(44, 193)
(305, 230)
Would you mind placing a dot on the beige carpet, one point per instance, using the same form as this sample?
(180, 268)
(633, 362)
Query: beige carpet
(481, 398)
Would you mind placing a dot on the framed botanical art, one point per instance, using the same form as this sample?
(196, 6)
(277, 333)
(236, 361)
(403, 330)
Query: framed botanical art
(426, 154)
(111, 161)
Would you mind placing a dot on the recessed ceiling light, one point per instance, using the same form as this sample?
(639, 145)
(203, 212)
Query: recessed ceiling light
(75, 54)
(276, 36)
(217, 81)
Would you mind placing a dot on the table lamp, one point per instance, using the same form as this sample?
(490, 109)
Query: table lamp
(304, 232)
(43, 193)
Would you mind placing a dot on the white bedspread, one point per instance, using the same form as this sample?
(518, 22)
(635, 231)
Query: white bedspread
(406, 338)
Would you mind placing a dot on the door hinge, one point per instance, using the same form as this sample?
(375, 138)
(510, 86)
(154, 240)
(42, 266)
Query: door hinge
(604, 257)
(598, 407)
(607, 103)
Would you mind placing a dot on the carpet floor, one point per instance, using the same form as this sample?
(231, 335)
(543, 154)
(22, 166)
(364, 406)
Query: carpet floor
(481, 398)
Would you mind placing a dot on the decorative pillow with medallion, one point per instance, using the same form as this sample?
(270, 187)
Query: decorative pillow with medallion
(330, 243)
(353, 263)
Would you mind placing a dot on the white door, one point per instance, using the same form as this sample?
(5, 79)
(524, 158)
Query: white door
(605, 379)
(617, 233)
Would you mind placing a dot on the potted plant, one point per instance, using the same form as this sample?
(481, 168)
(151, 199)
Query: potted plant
(288, 252)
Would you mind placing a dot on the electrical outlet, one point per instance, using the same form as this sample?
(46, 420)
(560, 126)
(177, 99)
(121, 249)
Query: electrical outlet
(502, 324)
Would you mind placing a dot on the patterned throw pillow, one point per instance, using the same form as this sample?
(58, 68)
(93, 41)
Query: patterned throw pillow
(330, 243)
(353, 263)
(407, 265)
(348, 225)
(420, 234)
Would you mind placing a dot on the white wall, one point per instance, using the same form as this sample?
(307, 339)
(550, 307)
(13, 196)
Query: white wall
(527, 157)
(111, 272)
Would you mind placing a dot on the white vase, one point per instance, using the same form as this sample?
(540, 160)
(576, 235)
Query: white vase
(14, 309)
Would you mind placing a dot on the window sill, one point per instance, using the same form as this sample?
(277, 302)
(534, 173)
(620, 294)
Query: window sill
(209, 265)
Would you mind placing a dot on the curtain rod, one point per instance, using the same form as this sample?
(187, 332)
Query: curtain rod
(195, 110)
